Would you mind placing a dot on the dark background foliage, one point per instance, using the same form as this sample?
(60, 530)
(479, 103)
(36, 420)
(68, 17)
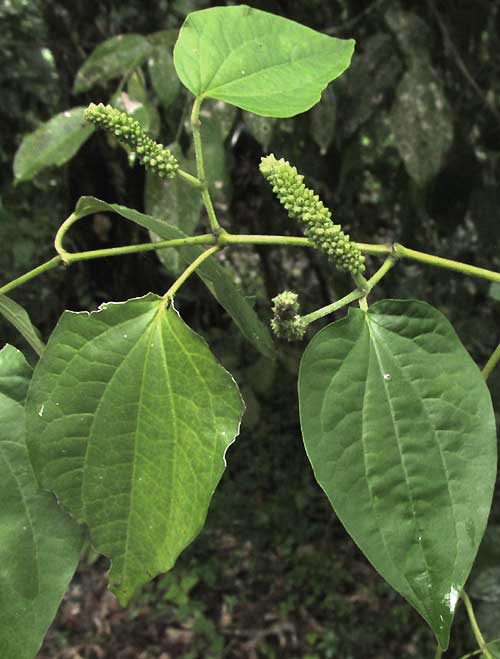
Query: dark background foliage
(405, 147)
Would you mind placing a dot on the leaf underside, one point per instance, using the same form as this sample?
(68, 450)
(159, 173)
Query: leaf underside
(129, 418)
(399, 427)
(39, 544)
(257, 61)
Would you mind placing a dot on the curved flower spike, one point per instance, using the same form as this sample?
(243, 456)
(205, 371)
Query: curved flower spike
(302, 204)
(152, 155)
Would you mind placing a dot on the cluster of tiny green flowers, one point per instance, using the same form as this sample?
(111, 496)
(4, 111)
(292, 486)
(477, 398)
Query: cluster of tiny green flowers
(152, 155)
(286, 322)
(302, 204)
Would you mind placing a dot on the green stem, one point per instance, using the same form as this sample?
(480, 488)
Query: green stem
(200, 165)
(189, 271)
(357, 294)
(491, 363)
(448, 264)
(204, 239)
(334, 306)
(44, 267)
(189, 178)
(439, 652)
(475, 627)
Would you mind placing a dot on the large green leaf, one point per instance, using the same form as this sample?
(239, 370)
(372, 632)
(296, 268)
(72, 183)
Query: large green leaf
(39, 544)
(52, 143)
(129, 417)
(18, 316)
(112, 59)
(257, 61)
(217, 279)
(399, 427)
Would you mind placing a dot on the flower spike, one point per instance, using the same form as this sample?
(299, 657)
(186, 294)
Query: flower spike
(304, 205)
(152, 155)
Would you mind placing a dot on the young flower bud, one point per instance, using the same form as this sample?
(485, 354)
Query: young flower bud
(302, 204)
(286, 322)
(151, 154)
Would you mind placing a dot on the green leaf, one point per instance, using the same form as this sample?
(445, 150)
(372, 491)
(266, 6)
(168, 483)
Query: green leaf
(173, 203)
(260, 128)
(39, 544)
(421, 121)
(494, 291)
(217, 278)
(18, 317)
(399, 427)
(257, 61)
(323, 118)
(51, 144)
(129, 417)
(163, 76)
(113, 58)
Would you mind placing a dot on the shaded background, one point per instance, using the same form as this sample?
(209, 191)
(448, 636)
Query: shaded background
(404, 147)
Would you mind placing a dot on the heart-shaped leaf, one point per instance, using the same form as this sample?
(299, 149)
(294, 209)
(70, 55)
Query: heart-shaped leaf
(39, 544)
(129, 417)
(399, 427)
(257, 61)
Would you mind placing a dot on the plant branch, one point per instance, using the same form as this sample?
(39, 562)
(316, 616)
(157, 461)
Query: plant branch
(475, 627)
(491, 363)
(437, 261)
(439, 652)
(189, 178)
(189, 271)
(358, 294)
(200, 166)
(31, 274)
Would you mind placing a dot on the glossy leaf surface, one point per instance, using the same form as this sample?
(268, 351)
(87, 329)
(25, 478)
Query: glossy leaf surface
(217, 278)
(51, 144)
(15, 314)
(399, 427)
(112, 59)
(129, 418)
(39, 544)
(257, 61)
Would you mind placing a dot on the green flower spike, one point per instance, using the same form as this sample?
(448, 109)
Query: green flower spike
(302, 204)
(286, 322)
(152, 155)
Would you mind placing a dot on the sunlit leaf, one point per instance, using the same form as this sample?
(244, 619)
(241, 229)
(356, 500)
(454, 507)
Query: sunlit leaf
(51, 144)
(129, 417)
(257, 61)
(39, 544)
(399, 427)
